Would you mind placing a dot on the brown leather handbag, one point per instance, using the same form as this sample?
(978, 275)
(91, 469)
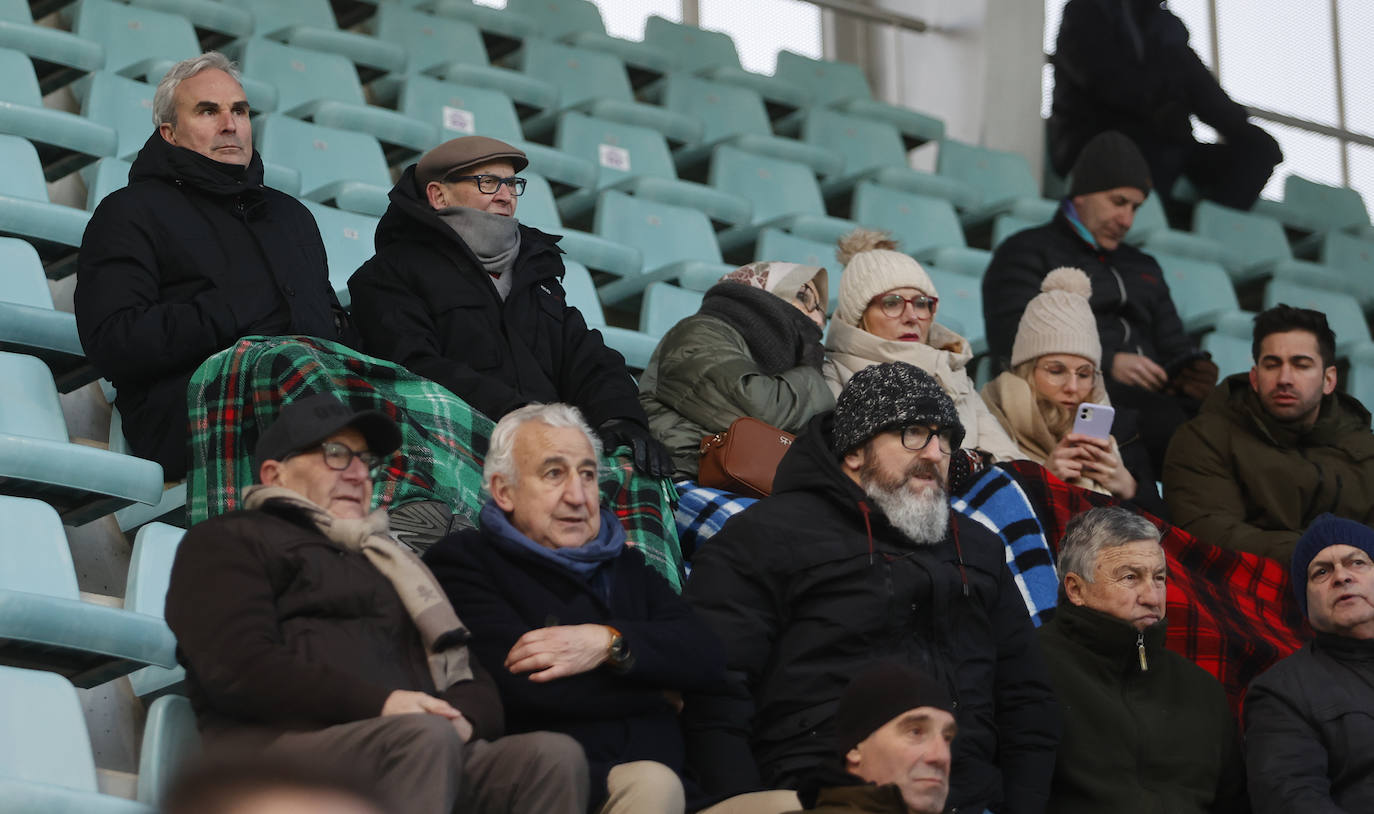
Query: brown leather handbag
(744, 458)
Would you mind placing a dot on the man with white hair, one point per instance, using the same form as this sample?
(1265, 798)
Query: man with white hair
(855, 557)
(194, 253)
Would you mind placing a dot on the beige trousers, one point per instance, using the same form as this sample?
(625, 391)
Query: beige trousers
(649, 787)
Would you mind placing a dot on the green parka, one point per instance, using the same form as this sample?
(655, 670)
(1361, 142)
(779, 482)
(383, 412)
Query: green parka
(1238, 478)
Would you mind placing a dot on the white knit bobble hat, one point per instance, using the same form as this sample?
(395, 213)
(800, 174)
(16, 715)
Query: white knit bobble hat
(1059, 320)
(872, 267)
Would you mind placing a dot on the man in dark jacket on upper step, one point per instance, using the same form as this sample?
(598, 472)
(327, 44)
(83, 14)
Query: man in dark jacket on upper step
(855, 557)
(463, 293)
(194, 253)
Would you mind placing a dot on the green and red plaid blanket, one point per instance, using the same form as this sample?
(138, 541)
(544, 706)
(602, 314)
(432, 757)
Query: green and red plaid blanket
(239, 391)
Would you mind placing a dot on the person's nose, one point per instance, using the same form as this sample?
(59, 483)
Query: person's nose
(228, 122)
(939, 755)
(1154, 594)
(503, 193)
(575, 492)
(356, 471)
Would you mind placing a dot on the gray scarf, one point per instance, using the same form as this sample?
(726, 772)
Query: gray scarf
(495, 239)
(442, 632)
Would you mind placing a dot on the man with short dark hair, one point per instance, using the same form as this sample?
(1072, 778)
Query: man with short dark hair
(307, 629)
(1123, 694)
(855, 557)
(1274, 448)
(193, 254)
(1309, 734)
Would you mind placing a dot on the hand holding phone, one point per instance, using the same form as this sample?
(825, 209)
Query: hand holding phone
(1094, 420)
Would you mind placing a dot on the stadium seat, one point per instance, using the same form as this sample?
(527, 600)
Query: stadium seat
(784, 195)
(44, 623)
(1003, 181)
(1348, 254)
(844, 87)
(170, 508)
(46, 764)
(677, 244)
(538, 209)
(734, 115)
(579, 23)
(635, 346)
(775, 244)
(38, 460)
(123, 104)
(926, 228)
(1359, 381)
(216, 23)
(1342, 313)
(712, 54)
(25, 211)
(1004, 226)
(104, 177)
(324, 88)
(311, 24)
(503, 30)
(1150, 231)
(1202, 294)
(636, 159)
(150, 571)
(29, 323)
(65, 142)
(335, 165)
(170, 738)
(1231, 353)
(961, 306)
(1312, 206)
(348, 243)
(664, 306)
(465, 110)
(134, 38)
(58, 56)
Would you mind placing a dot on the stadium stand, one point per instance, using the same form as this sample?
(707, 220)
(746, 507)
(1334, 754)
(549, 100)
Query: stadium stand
(677, 244)
(28, 322)
(537, 208)
(337, 166)
(25, 211)
(58, 56)
(926, 228)
(65, 142)
(844, 87)
(150, 570)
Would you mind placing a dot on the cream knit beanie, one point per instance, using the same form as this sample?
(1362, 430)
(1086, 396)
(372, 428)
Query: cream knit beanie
(871, 267)
(1059, 320)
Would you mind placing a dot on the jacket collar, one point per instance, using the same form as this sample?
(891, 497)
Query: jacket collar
(1110, 638)
(1344, 648)
(864, 797)
(1340, 415)
(161, 160)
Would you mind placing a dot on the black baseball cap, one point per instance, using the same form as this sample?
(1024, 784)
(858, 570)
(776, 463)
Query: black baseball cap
(307, 422)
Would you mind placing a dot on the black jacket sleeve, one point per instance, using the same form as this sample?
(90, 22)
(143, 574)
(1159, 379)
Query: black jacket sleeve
(1093, 52)
(479, 701)
(1012, 281)
(1286, 755)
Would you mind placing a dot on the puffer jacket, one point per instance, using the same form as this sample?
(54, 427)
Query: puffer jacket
(812, 583)
(701, 378)
(424, 301)
(1237, 478)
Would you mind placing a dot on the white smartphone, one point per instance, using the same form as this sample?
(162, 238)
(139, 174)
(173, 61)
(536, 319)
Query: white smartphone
(1094, 420)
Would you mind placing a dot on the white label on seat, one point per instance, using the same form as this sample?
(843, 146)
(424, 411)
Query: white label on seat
(617, 158)
(351, 233)
(460, 120)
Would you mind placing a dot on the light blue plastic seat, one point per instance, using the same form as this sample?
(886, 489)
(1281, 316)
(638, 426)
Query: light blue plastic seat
(926, 228)
(38, 460)
(1359, 381)
(1150, 231)
(961, 306)
(44, 623)
(1202, 293)
(215, 22)
(29, 323)
(1231, 353)
(65, 142)
(135, 38)
(25, 211)
(635, 346)
(1259, 250)
(844, 87)
(636, 159)
(503, 30)
(59, 56)
(578, 22)
(1002, 178)
(1342, 312)
(311, 24)
(665, 305)
(596, 83)
(784, 195)
(123, 104)
(775, 244)
(324, 88)
(1349, 254)
(1311, 206)
(46, 764)
(335, 165)
(348, 243)
(538, 209)
(150, 571)
(677, 244)
(1004, 226)
(170, 738)
(104, 177)
(170, 508)
(465, 110)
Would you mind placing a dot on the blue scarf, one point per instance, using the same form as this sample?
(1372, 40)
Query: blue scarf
(1072, 214)
(581, 562)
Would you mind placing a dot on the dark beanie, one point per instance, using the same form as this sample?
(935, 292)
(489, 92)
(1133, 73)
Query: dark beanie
(1109, 161)
(1327, 530)
(893, 395)
(879, 694)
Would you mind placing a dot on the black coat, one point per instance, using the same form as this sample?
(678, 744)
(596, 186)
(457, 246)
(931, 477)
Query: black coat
(190, 256)
(1309, 730)
(424, 301)
(279, 629)
(1130, 298)
(617, 716)
(804, 596)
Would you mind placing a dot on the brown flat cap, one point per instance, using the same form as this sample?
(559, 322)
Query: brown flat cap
(460, 153)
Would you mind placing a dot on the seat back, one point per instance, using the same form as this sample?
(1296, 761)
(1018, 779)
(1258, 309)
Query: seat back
(665, 305)
(1004, 226)
(1197, 286)
(44, 739)
(578, 73)
(1149, 219)
(961, 304)
(428, 39)
(134, 34)
(301, 75)
(537, 207)
(21, 84)
(1250, 237)
(1342, 312)
(460, 110)
(775, 244)
(21, 173)
(270, 16)
(1350, 254)
(104, 177)
(30, 407)
(998, 175)
(577, 283)
(1230, 353)
(124, 104)
(150, 568)
(22, 280)
(774, 186)
(724, 110)
(170, 738)
(42, 564)
(348, 243)
(919, 223)
(559, 18)
(16, 11)
(1338, 207)
(662, 232)
(618, 150)
(691, 48)
(828, 80)
(321, 154)
(862, 143)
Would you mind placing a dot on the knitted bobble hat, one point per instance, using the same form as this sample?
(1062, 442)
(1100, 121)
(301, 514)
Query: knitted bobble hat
(872, 267)
(1059, 320)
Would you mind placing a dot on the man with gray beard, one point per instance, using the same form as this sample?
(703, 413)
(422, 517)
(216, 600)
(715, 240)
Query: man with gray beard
(856, 558)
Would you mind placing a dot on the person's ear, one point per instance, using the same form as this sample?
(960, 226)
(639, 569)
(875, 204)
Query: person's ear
(434, 192)
(852, 759)
(1074, 587)
(502, 493)
(1329, 381)
(270, 473)
(166, 131)
(1254, 379)
(853, 461)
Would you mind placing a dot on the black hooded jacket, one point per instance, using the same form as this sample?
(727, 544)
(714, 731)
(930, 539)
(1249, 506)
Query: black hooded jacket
(812, 583)
(190, 256)
(424, 301)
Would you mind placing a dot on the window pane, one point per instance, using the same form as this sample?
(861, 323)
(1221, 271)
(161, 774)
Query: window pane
(762, 28)
(1279, 56)
(1307, 154)
(1362, 171)
(625, 18)
(1357, 62)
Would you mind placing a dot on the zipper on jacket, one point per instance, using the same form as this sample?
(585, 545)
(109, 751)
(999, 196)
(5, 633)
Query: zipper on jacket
(1140, 650)
(1121, 286)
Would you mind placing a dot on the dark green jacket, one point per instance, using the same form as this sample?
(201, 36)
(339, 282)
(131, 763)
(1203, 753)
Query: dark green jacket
(859, 799)
(1156, 741)
(1237, 478)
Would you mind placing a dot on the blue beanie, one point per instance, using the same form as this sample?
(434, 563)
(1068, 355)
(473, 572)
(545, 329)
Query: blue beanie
(1327, 530)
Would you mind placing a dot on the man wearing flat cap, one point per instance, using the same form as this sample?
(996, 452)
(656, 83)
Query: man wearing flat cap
(307, 630)
(855, 557)
(462, 293)
(1148, 362)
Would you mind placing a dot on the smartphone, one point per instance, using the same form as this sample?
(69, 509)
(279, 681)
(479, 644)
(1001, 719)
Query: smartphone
(1094, 420)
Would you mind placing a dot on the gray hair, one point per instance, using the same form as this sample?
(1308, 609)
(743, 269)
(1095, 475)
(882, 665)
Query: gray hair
(164, 110)
(501, 452)
(1105, 527)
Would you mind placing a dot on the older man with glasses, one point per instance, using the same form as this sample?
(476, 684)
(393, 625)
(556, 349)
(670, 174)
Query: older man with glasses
(462, 293)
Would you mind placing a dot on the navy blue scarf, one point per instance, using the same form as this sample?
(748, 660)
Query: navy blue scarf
(582, 562)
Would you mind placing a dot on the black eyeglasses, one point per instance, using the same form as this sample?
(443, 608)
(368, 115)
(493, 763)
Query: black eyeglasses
(917, 438)
(339, 456)
(808, 299)
(893, 304)
(488, 184)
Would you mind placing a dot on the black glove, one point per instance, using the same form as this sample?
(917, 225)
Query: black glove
(650, 456)
(965, 465)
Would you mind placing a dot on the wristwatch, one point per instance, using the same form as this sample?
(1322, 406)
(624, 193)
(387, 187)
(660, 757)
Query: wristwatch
(617, 652)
